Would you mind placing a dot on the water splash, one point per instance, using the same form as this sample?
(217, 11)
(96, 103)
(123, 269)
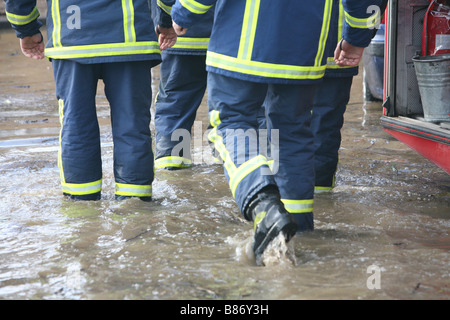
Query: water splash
(278, 252)
(243, 248)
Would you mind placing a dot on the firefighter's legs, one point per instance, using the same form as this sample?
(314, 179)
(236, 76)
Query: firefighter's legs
(235, 105)
(181, 90)
(327, 119)
(288, 121)
(128, 90)
(79, 156)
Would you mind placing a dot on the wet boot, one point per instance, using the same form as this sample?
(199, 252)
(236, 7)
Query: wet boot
(84, 197)
(270, 218)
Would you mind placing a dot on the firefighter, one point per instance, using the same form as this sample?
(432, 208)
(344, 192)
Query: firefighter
(331, 101)
(87, 41)
(181, 89)
(273, 49)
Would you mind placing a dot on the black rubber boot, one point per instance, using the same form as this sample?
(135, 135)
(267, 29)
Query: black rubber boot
(84, 197)
(120, 198)
(270, 218)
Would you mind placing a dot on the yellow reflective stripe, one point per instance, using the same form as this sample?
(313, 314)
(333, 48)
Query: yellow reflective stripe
(259, 217)
(100, 50)
(165, 8)
(363, 23)
(222, 150)
(128, 21)
(331, 64)
(178, 162)
(322, 189)
(324, 32)
(20, 19)
(341, 21)
(194, 6)
(61, 118)
(217, 140)
(214, 119)
(264, 69)
(124, 189)
(298, 206)
(82, 188)
(191, 43)
(271, 163)
(248, 29)
(244, 170)
(56, 17)
(235, 174)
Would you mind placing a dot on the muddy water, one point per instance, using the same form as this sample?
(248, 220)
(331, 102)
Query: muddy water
(383, 233)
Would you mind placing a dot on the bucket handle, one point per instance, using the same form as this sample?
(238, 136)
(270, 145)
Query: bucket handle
(425, 29)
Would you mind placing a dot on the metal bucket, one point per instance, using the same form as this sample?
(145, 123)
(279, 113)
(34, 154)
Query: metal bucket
(433, 78)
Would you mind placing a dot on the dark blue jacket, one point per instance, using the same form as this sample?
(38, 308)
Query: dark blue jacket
(273, 41)
(336, 34)
(90, 31)
(195, 41)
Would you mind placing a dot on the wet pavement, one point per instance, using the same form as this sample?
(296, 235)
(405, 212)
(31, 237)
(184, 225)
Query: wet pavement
(383, 233)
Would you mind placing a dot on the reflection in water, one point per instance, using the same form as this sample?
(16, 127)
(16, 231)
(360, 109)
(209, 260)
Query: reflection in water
(389, 212)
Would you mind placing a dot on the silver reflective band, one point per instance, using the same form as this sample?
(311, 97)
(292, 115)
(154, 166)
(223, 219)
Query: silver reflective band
(20, 19)
(366, 23)
(103, 50)
(264, 69)
(298, 206)
(82, 188)
(130, 190)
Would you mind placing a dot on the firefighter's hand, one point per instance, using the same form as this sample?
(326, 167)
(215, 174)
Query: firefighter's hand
(347, 55)
(179, 30)
(33, 47)
(167, 37)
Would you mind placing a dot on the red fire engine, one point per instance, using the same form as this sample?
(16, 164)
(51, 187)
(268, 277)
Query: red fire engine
(416, 93)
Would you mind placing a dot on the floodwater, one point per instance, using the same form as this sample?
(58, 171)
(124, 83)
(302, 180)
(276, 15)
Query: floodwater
(383, 233)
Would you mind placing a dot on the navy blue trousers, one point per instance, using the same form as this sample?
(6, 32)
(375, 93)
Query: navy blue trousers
(128, 90)
(235, 109)
(181, 90)
(330, 103)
